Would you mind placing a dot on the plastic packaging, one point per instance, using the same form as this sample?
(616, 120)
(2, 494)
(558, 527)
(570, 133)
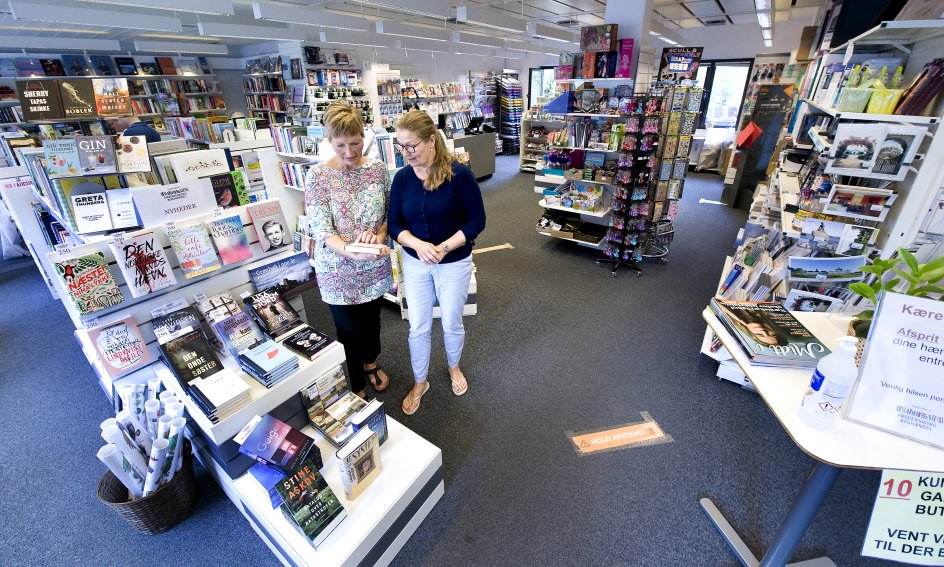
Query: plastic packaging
(831, 383)
(854, 99)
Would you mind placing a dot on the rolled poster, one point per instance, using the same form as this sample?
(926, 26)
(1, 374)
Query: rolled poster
(122, 469)
(152, 409)
(163, 426)
(136, 431)
(155, 465)
(124, 394)
(109, 421)
(138, 397)
(153, 388)
(176, 410)
(178, 426)
(116, 437)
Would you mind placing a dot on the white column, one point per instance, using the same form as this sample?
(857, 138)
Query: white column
(633, 18)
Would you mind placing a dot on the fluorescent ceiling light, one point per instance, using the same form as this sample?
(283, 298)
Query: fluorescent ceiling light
(349, 38)
(768, 43)
(653, 33)
(763, 18)
(401, 30)
(667, 40)
(216, 7)
(307, 17)
(58, 43)
(250, 32)
(466, 49)
(488, 18)
(543, 31)
(471, 39)
(23, 10)
(40, 27)
(762, 5)
(421, 45)
(431, 8)
(180, 47)
(768, 34)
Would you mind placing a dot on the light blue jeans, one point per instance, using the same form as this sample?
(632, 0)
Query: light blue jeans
(424, 286)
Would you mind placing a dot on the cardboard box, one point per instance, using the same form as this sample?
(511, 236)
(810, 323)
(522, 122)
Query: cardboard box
(589, 65)
(562, 72)
(605, 67)
(625, 62)
(598, 38)
(578, 65)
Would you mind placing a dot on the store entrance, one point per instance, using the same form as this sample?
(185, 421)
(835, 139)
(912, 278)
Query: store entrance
(724, 83)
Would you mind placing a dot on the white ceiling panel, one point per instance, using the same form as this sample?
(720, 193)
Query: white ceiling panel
(736, 6)
(673, 11)
(689, 23)
(743, 18)
(804, 13)
(781, 15)
(705, 7)
(782, 4)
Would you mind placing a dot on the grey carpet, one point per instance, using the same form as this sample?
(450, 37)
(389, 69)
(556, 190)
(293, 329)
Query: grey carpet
(558, 345)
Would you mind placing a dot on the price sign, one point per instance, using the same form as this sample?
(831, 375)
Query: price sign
(908, 518)
(217, 212)
(63, 249)
(91, 322)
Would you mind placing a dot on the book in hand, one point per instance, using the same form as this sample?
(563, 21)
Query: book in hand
(89, 282)
(277, 444)
(363, 248)
(309, 503)
(374, 417)
(289, 276)
(307, 342)
(272, 312)
(768, 333)
(120, 347)
(359, 462)
(268, 362)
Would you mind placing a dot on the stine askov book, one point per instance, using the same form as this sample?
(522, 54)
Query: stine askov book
(120, 347)
(309, 502)
(289, 276)
(229, 235)
(89, 282)
(142, 261)
(194, 250)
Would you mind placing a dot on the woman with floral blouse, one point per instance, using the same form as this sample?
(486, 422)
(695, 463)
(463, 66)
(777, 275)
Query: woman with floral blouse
(346, 202)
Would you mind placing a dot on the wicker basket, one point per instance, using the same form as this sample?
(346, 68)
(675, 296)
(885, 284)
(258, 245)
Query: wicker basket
(159, 511)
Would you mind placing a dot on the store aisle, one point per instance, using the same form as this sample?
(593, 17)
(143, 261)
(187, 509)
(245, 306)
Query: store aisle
(558, 345)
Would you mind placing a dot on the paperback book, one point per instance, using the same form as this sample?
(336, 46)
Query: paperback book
(270, 225)
(374, 417)
(268, 478)
(277, 444)
(174, 319)
(272, 312)
(90, 208)
(229, 189)
(62, 157)
(194, 250)
(268, 362)
(229, 236)
(190, 356)
(220, 394)
(120, 347)
(768, 333)
(331, 405)
(89, 282)
(309, 503)
(359, 462)
(288, 276)
(308, 343)
(238, 332)
(143, 263)
(133, 156)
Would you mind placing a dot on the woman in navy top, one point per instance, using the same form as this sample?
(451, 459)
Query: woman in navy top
(436, 212)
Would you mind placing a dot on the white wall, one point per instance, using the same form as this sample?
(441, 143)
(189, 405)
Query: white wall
(740, 41)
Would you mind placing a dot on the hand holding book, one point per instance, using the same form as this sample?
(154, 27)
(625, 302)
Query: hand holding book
(363, 251)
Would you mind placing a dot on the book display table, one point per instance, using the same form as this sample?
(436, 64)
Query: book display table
(844, 444)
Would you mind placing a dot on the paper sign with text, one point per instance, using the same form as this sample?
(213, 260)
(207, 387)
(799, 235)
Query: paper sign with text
(901, 379)
(908, 519)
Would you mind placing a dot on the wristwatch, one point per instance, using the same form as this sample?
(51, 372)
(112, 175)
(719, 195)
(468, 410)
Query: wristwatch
(445, 248)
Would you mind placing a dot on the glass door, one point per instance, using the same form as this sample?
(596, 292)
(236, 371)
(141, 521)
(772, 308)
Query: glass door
(541, 86)
(725, 83)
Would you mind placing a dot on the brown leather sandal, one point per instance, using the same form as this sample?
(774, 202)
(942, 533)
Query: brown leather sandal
(376, 380)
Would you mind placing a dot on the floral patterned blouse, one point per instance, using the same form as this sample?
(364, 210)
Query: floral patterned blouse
(345, 203)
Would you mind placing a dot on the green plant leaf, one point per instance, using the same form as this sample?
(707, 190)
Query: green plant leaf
(887, 264)
(877, 270)
(866, 315)
(890, 284)
(930, 289)
(933, 276)
(865, 290)
(910, 260)
(906, 275)
(877, 286)
(932, 265)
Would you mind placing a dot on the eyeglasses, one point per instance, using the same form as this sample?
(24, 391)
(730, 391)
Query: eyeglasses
(406, 148)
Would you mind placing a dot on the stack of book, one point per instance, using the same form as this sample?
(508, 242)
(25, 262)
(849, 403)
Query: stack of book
(331, 406)
(768, 334)
(268, 362)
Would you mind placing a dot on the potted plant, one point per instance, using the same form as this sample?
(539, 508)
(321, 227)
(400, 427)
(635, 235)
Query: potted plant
(923, 280)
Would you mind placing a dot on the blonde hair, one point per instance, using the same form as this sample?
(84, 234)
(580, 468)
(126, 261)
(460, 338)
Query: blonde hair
(342, 119)
(421, 125)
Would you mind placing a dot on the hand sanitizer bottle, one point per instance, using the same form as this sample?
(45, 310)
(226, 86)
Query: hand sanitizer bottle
(830, 385)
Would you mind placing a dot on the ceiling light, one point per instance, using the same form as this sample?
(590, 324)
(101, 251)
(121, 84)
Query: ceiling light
(431, 8)
(23, 27)
(544, 31)
(215, 7)
(763, 18)
(767, 34)
(762, 5)
(653, 33)
(458, 37)
(307, 17)
(669, 41)
(250, 32)
(91, 17)
(180, 47)
(58, 43)
(390, 28)
(485, 17)
(348, 38)
(768, 43)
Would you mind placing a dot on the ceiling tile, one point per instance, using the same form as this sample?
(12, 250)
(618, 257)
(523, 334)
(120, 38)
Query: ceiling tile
(689, 23)
(705, 7)
(782, 4)
(673, 11)
(804, 13)
(743, 18)
(738, 6)
(781, 15)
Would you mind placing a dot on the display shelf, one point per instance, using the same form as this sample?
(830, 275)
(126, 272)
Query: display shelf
(819, 140)
(584, 149)
(266, 110)
(206, 93)
(305, 157)
(262, 92)
(9, 103)
(590, 115)
(143, 96)
(293, 187)
(129, 77)
(625, 81)
(896, 32)
(269, 74)
(900, 119)
(789, 195)
(595, 214)
(595, 245)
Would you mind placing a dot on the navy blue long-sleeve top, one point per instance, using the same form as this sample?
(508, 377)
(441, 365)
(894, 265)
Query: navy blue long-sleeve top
(434, 216)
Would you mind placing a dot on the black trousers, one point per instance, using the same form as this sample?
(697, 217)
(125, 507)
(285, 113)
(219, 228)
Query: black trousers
(358, 329)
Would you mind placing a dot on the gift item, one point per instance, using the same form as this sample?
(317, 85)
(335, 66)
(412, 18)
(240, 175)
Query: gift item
(598, 38)
(624, 62)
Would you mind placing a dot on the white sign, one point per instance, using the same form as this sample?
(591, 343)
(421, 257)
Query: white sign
(203, 163)
(160, 204)
(908, 519)
(901, 379)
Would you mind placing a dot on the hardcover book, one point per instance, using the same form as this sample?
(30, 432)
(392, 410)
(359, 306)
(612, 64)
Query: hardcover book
(309, 502)
(75, 65)
(96, 155)
(78, 98)
(121, 208)
(174, 319)
(126, 66)
(102, 66)
(373, 417)
(166, 65)
(359, 462)
(120, 347)
(187, 66)
(268, 359)
(194, 250)
(330, 406)
(229, 235)
(308, 343)
(769, 334)
(229, 189)
(216, 307)
(277, 444)
(220, 394)
(52, 67)
(268, 478)
(143, 263)
(112, 97)
(89, 282)
(62, 158)
(289, 276)
(39, 99)
(271, 227)
(133, 156)
(190, 357)
(90, 208)
(149, 68)
(272, 312)
(238, 332)
(29, 67)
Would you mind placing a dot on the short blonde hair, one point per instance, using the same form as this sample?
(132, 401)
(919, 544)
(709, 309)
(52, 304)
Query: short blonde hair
(342, 119)
(422, 126)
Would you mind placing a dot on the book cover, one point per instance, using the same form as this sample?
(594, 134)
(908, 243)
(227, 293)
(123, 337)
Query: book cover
(194, 250)
(143, 263)
(308, 343)
(166, 65)
(149, 68)
(270, 225)
(173, 319)
(120, 347)
(39, 99)
(126, 66)
(133, 156)
(374, 417)
(220, 393)
(238, 332)
(769, 333)
(112, 97)
(359, 462)
(276, 443)
(289, 276)
(272, 312)
(101, 66)
(229, 236)
(187, 66)
(29, 67)
(89, 282)
(268, 357)
(327, 387)
(309, 502)
(62, 158)
(90, 208)
(52, 67)
(75, 65)
(78, 98)
(267, 477)
(121, 208)
(190, 357)
(96, 155)
(216, 307)
(205, 68)
(202, 163)
(229, 189)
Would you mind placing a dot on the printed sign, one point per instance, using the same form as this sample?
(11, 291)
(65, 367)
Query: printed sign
(646, 432)
(679, 63)
(907, 522)
(160, 204)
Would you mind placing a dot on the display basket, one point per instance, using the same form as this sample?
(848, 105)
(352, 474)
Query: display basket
(160, 511)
